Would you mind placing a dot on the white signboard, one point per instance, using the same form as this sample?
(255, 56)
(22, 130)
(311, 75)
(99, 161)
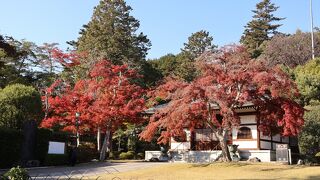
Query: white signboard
(56, 147)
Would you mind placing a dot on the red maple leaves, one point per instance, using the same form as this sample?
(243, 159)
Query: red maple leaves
(229, 80)
(107, 96)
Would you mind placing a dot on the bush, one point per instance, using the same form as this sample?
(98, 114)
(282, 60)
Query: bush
(19, 103)
(317, 156)
(42, 144)
(10, 149)
(309, 138)
(114, 155)
(17, 173)
(140, 156)
(86, 152)
(56, 159)
(61, 136)
(127, 155)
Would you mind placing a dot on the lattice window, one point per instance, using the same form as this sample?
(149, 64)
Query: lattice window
(205, 135)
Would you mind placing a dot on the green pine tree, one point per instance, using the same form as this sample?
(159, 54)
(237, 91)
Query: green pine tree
(197, 43)
(112, 34)
(260, 28)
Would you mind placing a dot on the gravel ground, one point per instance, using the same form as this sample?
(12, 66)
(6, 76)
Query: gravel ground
(82, 171)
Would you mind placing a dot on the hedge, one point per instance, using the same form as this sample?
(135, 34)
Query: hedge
(86, 152)
(11, 145)
(42, 144)
(61, 137)
(56, 159)
(10, 149)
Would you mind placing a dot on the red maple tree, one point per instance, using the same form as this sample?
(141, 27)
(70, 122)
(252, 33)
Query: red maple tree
(229, 79)
(117, 98)
(108, 98)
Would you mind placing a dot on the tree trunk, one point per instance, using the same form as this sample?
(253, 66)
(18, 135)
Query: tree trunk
(119, 143)
(105, 146)
(223, 137)
(98, 138)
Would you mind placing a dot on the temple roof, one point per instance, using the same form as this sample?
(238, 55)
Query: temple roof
(152, 110)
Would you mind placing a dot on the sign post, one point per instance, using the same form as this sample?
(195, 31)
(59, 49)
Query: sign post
(282, 153)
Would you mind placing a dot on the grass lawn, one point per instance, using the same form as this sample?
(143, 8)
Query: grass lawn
(124, 161)
(220, 171)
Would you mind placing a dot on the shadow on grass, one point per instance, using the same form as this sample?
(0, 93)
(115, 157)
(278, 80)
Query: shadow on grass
(236, 164)
(286, 168)
(224, 164)
(305, 178)
(126, 161)
(314, 177)
(273, 169)
(201, 165)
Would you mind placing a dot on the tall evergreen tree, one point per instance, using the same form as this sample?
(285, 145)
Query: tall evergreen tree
(17, 59)
(111, 34)
(261, 27)
(166, 64)
(197, 43)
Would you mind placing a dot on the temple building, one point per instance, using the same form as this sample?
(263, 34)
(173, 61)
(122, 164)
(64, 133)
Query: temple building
(201, 145)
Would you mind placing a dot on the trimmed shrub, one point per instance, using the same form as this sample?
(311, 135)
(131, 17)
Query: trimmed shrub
(114, 154)
(56, 159)
(10, 149)
(127, 155)
(19, 103)
(17, 173)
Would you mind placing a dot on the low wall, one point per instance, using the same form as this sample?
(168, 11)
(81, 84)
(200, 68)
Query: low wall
(202, 156)
(210, 156)
(263, 155)
(152, 154)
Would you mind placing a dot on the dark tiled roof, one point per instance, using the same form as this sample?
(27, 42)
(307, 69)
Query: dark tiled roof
(152, 110)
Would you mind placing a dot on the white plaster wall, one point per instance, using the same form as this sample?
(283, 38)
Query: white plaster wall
(263, 155)
(246, 144)
(210, 156)
(180, 145)
(188, 134)
(253, 131)
(201, 156)
(248, 119)
(151, 154)
(265, 145)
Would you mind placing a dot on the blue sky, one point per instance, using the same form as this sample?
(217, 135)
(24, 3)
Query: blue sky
(167, 23)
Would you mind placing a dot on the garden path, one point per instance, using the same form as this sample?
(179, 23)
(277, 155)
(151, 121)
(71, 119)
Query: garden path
(82, 171)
